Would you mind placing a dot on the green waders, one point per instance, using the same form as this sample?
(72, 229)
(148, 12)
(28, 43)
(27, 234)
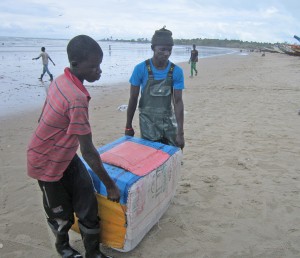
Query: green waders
(157, 119)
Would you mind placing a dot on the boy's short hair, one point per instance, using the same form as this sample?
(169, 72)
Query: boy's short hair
(43, 48)
(81, 47)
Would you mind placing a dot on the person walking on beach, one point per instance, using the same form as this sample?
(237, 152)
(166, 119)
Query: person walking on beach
(161, 83)
(45, 59)
(51, 155)
(193, 60)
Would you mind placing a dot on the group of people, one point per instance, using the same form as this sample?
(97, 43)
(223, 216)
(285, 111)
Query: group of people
(64, 127)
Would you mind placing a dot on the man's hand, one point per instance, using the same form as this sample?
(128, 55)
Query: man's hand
(129, 131)
(180, 141)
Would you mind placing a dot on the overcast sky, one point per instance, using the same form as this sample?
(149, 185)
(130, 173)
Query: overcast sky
(251, 20)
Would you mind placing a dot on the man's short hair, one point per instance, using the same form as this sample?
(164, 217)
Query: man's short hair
(162, 37)
(43, 48)
(81, 47)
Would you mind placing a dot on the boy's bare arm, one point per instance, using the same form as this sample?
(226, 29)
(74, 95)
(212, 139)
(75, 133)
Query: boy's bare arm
(92, 157)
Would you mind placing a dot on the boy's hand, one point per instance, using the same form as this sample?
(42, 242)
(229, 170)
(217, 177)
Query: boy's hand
(113, 194)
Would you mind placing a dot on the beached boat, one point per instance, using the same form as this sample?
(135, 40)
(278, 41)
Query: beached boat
(287, 49)
(296, 48)
(269, 50)
(278, 49)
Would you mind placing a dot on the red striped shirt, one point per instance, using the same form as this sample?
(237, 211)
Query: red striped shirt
(55, 142)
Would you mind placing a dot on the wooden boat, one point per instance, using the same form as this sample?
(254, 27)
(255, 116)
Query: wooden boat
(278, 50)
(269, 50)
(288, 50)
(296, 48)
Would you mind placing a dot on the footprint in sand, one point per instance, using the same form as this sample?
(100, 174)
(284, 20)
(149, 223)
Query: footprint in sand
(185, 186)
(210, 179)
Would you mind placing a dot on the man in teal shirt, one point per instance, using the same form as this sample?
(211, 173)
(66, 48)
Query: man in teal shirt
(161, 109)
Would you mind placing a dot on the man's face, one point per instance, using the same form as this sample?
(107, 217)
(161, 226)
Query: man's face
(162, 53)
(90, 70)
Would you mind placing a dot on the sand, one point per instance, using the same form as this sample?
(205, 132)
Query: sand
(238, 195)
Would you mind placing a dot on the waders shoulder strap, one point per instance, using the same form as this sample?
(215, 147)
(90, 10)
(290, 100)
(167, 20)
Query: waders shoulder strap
(170, 73)
(150, 73)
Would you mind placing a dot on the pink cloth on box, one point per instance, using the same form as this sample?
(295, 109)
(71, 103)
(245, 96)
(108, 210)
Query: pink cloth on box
(136, 158)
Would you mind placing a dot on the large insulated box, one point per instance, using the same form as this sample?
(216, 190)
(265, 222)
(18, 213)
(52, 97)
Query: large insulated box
(146, 173)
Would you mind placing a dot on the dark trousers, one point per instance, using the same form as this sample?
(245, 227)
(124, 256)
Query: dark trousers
(74, 192)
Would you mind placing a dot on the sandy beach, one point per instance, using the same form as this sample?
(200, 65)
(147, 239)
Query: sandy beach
(239, 191)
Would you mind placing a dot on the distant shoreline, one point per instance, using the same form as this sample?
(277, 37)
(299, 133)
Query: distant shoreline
(205, 42)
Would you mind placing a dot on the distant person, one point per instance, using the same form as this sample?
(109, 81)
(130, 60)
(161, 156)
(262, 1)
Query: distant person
(51, 155)
(45, 61)
(193, 60)
(160, 83)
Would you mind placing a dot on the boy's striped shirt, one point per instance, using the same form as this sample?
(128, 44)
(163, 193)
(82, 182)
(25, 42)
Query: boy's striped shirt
(55, 142)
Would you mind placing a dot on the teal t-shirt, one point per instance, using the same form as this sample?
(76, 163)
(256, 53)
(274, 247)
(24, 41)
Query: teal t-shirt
(139, 76)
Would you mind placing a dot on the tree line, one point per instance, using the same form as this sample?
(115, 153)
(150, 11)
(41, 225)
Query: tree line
(222, 43)
(228, 43)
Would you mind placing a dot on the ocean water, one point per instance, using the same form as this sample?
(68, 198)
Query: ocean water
(21, 90)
